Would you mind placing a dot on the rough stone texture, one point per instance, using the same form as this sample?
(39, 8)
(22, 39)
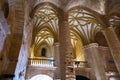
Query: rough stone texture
(66, 56)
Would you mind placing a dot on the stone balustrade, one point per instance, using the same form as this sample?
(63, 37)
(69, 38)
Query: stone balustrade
(48, 62)
(43, 62)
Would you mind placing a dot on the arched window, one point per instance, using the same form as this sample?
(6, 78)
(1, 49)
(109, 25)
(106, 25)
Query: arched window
(43, 52)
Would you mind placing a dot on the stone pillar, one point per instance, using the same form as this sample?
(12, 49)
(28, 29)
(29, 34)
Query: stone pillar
(114, 45)
(57, 60)
(66, 57)
(95, 61)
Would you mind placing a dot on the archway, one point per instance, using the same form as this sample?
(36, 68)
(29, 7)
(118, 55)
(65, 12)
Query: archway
(78, 77)
(41, 77)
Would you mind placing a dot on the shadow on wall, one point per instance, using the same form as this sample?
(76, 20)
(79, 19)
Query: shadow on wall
(78, 77)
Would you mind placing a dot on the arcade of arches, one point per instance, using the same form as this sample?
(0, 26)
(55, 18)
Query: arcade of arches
(59, 39)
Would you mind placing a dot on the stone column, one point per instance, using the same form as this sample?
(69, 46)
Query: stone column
(66, 56)
(113, 44)
(95, 61)
(57, 60)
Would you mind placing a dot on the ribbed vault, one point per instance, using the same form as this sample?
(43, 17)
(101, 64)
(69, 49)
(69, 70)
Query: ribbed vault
(45, 27)
(84, 24)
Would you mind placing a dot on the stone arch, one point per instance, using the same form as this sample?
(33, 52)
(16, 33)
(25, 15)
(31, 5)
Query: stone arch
(57, 9)
(51, 29)
(85, 29)
(54, 8)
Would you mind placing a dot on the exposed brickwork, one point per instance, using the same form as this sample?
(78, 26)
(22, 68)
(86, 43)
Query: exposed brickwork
(66, 56)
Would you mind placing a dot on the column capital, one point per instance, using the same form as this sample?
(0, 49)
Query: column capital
(91, 45)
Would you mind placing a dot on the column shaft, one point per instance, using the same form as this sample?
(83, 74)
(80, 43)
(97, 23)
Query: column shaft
(66, 59)
(113, 44)
(95, 61)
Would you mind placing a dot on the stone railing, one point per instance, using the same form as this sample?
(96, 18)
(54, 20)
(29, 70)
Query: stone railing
(43, 62)
(80, 64)
(48, 62)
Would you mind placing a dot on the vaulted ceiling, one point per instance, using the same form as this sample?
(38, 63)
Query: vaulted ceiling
(84, 20)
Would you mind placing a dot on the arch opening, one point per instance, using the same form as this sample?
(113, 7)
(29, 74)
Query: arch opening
(41, 77)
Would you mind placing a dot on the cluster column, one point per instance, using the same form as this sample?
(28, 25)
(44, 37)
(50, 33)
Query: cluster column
(94, 60)
(66, 57)
(114, 45)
